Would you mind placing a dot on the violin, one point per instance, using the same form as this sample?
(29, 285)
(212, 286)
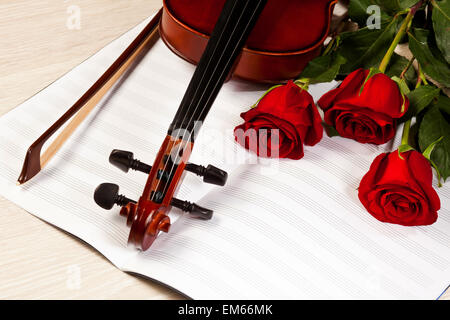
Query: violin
(149, 215)
(212, 34)
(257, 40)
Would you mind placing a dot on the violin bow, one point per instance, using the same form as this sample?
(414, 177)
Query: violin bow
(34, 161)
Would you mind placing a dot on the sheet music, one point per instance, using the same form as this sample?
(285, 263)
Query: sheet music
(288, 229)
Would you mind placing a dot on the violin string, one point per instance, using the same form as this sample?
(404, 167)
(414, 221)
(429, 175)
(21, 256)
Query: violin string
(228, 61)
(190, 105)
(232, 54)
(192, 115)
(222, 73)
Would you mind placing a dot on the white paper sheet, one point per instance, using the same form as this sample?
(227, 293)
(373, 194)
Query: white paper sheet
(293, 229)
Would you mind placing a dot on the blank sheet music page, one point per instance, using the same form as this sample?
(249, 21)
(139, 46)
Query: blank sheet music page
(296, 229)
(281, 229)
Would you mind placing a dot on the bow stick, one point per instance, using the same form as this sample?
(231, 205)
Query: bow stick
(34, 162)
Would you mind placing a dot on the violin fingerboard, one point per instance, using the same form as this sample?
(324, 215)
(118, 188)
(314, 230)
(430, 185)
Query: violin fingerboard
(232, 29)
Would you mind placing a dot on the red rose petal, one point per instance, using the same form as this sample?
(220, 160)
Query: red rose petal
(348, 88)
(382, 94)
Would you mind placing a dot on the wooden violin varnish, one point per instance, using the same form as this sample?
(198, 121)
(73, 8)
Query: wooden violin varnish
(287, 35)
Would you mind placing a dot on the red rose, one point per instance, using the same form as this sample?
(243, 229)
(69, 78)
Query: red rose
(369, 117)
(399, 190)
(289, 109)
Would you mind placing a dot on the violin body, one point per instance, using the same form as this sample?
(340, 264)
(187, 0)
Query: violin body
(287, 35)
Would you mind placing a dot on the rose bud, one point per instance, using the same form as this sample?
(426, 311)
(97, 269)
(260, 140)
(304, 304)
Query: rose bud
(284, 119)
(367, 116)
(399, 191)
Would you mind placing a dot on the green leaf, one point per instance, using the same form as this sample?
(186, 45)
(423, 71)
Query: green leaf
(405, 4)
(434, 126)
(404, 89)
(427, 154)
(392, 7)
(429, 150)
(414, 135)
(429, 57)
(357, 11)
(365, 48)
(420, 98)
(441, 26)
(443, 104)
(404, 148)
(439, 176)
(324, 68)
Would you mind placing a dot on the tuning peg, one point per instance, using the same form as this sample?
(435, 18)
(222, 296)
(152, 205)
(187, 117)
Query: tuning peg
(210, 173)
(124, 160)
(192, 208)
(107, 195)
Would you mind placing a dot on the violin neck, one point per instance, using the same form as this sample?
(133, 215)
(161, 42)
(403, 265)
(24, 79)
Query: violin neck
(226, 42)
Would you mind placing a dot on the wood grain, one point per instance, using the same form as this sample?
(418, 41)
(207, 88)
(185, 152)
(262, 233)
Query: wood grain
(37, 260)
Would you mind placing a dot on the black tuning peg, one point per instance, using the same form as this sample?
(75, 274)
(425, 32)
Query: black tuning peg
(124, 160)
(210, 173)
(107, 195)
(192, 208)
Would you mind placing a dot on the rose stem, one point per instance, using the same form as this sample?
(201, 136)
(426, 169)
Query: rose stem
(402, 31)
(384, 63)
(403, 74)
(421, 77)
(407, 125)
(405, 133)
(329, 46)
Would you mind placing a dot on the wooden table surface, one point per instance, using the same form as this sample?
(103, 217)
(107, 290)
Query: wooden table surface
(39, 42)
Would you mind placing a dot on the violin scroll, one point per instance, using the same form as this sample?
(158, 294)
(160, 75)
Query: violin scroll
(147, 218)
